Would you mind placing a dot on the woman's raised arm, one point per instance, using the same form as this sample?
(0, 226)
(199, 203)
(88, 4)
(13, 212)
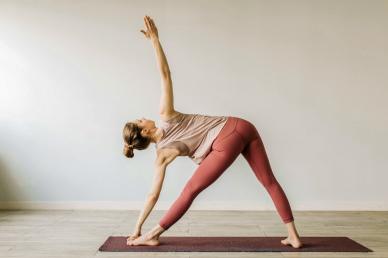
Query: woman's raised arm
(167, 98)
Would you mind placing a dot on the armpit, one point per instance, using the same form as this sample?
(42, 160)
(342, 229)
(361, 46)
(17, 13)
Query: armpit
(183, 149)
(173, 119)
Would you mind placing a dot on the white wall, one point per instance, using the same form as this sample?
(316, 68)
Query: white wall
(311, 75)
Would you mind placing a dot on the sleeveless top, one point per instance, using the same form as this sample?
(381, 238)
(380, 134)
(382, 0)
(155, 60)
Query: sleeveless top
(191, 134)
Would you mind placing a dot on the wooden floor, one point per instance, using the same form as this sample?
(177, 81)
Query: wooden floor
(79, 233)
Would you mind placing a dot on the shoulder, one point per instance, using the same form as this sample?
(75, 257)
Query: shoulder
(165, 117)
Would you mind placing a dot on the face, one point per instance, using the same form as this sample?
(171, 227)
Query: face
(144, 124)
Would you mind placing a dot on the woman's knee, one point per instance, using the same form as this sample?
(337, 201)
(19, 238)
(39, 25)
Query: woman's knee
(191, 191)
(269, 181)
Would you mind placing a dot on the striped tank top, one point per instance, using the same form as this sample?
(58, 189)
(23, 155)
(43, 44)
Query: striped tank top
(191, 134)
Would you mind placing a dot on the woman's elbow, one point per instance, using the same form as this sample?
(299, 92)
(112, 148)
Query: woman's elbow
(166, 73)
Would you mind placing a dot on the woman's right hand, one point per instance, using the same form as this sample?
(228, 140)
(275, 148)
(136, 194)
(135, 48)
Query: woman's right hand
(152, 31)
(136, 233)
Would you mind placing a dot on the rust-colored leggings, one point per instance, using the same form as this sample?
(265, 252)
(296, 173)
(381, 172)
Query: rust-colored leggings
(237, 136)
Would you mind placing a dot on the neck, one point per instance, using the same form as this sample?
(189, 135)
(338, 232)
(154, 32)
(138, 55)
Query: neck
(158, 134)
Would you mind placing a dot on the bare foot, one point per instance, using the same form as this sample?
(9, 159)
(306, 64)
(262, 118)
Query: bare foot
(143, 240)
(293, 241)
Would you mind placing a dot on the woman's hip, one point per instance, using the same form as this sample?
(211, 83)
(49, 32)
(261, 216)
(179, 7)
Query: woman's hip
(235, 134)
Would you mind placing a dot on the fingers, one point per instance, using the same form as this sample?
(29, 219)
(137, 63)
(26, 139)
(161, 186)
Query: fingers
(146, 18)
(149, 22)
(129, 241)
(146, 24)
(152, 24)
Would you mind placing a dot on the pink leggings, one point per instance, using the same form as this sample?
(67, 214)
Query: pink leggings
(237, 136)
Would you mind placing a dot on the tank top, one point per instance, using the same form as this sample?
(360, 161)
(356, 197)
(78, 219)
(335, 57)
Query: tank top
(191, 134)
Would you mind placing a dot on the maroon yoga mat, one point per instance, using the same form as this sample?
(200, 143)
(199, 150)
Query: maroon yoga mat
(235, 244)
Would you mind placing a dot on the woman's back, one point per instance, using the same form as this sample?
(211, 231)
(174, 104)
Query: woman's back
(191, 134)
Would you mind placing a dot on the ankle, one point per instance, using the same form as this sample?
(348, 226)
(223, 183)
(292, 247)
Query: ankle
(155, 232)
(293, 236)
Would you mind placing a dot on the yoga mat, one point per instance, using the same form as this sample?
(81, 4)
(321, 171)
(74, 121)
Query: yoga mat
(235, 244)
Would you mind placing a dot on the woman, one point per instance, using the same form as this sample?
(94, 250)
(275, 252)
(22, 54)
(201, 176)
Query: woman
(213, 142)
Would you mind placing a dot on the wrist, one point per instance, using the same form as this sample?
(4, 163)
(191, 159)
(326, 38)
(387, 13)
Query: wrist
(154, 39)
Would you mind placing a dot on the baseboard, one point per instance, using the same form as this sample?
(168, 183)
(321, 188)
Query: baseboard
(216, 205)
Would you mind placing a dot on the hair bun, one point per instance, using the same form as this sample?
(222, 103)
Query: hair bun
(128, 152)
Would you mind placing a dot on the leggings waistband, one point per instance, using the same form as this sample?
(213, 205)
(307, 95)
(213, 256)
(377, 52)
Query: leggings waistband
(229, 127)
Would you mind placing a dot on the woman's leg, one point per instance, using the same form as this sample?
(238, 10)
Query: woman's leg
(257, 158)
(207, 172)
(254, 152)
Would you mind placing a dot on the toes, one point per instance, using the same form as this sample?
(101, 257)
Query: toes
(284, 241)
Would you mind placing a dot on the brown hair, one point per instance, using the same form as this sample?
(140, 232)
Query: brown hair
(132, 137)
